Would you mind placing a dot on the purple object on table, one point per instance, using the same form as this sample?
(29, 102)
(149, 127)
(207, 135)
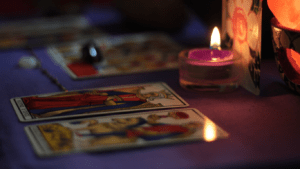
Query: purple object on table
(210, 57)
(204, 69)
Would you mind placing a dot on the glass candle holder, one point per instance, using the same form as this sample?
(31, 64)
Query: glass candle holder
(209, 70)
(286, 44)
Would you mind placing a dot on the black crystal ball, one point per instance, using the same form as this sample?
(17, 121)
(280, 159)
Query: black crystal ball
(91, 53)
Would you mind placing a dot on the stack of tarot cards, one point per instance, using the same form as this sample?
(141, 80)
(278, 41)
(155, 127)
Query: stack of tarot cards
(116, 122)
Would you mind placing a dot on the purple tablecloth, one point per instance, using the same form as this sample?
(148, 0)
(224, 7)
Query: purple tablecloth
(264, 130)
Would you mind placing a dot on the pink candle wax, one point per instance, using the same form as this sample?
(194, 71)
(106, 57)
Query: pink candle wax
(206, 69)
(208, 57)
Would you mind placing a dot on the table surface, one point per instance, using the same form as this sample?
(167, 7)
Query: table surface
(264, 130)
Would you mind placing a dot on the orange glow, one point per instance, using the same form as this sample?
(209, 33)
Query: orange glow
(209, 131)
(295, 58)
(287, 12)
(215, 40)
(294, 70)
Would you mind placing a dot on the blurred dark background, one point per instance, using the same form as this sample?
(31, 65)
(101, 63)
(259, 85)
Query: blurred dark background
(164, 15)
(210, 13)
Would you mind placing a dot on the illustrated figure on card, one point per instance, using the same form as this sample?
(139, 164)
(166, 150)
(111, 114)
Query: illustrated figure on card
(147, 133)
(241, 31)
(71, 103)
(118, 131)
(89, 102)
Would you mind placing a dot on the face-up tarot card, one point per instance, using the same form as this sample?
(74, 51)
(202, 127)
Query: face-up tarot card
(125, 54)
(122, 132)
(96, 101)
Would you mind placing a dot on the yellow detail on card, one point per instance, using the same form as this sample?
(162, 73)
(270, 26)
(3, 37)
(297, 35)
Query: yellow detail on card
(58, 137)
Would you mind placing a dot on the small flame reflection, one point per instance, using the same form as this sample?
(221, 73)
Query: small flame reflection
(214, 59)
(209, 131)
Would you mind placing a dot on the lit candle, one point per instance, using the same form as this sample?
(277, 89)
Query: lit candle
(209, 69)
(213, 56)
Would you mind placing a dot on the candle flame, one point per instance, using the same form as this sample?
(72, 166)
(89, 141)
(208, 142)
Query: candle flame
(215, 40)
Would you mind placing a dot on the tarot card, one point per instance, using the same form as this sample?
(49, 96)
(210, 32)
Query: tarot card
(96, 101)
(124, 54)
(241, 31)
(45, 31)
(122, 132)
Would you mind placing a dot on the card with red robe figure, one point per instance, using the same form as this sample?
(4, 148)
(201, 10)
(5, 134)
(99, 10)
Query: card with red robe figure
(118, 132)
(97, 101)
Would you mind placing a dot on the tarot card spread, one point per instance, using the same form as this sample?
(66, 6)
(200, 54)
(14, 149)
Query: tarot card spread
(122, 55)
(122, 132)
(96, 101)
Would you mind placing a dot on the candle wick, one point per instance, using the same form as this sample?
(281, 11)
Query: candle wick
(215, 47)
